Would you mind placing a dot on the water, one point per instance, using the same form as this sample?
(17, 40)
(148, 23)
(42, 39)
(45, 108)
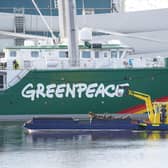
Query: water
(98, 150)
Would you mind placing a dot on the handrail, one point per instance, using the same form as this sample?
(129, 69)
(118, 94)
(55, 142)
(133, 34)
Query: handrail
(106, 10)
(54, 8)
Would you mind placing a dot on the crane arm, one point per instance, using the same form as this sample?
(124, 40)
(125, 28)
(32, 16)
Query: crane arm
(148, 102)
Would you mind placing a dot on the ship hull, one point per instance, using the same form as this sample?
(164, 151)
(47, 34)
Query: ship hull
(72, 92)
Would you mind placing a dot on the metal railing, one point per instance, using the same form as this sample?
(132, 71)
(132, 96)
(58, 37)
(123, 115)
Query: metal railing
(47, 11)
(88, 63)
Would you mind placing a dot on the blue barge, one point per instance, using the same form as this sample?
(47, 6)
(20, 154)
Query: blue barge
(71, 124)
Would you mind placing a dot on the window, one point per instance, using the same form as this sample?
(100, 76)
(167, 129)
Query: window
(121, 53)
(35, 54)
(2, 55)
(96, 54)
(12, 53)
(63, 54)
(1, 82)
(105, 54)
(129, 52)
(89, 11)
(113, 54)
(27, 64)
(86, 54)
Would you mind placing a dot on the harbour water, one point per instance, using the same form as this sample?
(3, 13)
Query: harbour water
(83, 150)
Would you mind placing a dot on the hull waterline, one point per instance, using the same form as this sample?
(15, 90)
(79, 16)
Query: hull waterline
(87, 125)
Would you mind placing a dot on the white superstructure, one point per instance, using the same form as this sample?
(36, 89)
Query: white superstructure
(136, 28)
(86, 52)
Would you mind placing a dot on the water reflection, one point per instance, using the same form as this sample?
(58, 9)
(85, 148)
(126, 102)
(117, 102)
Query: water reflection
(11, 134)
(99, 136)
(13, 137)
(84, 150)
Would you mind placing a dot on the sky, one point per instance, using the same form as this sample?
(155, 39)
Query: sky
(134, 5)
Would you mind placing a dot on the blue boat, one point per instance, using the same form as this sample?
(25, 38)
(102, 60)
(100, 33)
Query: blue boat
(88, 125)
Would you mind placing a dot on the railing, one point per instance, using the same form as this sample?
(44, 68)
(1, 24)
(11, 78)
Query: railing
(99, 63)
(91, 63)
(84, 64)
(47, 11)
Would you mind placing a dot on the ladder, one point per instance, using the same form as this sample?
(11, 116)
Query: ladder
(19, 24)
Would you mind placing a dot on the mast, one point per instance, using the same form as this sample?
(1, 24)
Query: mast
(67, 25)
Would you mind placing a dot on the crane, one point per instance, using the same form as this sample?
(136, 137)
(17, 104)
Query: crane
(148, 103)
(157, 111)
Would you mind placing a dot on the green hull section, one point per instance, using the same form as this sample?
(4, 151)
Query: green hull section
(81, 91)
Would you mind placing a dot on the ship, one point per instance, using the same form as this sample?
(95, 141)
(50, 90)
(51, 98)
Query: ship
(73, 79)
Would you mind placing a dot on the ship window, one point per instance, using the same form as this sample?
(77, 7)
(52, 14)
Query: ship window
(113, 54)
(105, 55)
(2, 55)
(86, 54)
(97, 54)
(1, 81)
(89, 11)
(121, 53)
(129, 52)
(35, 54)
(27, 64)
(63, 54)
(12, 53)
